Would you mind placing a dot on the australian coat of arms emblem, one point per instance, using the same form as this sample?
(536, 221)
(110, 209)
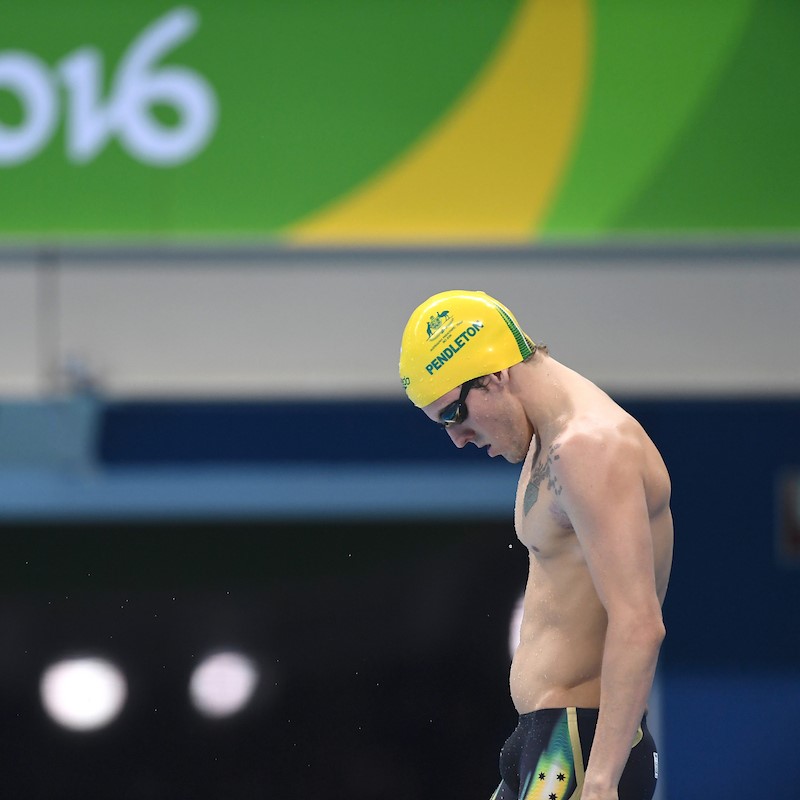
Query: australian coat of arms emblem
(436, 321)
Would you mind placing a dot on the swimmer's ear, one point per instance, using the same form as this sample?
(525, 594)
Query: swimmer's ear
(501, 376)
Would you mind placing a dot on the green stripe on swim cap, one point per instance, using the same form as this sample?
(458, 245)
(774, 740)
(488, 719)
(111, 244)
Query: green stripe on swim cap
(520, 338)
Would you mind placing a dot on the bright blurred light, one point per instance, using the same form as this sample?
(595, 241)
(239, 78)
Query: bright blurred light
(83, 694)
(223, 684)
(514, 626)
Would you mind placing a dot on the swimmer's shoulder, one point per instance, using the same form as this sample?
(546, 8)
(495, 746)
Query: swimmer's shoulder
(611, 443)
(600, 440)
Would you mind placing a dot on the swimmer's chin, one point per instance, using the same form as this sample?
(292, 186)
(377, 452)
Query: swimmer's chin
(512, 458)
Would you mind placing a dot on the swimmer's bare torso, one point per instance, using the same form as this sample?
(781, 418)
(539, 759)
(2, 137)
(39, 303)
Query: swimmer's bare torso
(618, 501)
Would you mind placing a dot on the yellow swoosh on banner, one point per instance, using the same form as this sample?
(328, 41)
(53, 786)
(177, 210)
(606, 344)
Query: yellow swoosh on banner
(489, 170)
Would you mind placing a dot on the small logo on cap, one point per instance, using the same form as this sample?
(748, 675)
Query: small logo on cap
(436, 321)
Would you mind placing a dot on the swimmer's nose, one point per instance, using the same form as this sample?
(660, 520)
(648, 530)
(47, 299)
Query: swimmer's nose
(460, 436)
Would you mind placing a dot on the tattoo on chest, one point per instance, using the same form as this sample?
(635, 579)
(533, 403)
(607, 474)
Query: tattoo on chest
(541, 471)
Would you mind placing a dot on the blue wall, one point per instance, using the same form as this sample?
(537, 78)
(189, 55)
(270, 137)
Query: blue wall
(731, 663)
(730, 668)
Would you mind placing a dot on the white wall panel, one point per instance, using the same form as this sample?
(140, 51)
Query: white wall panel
(22, 349)
(311, 324)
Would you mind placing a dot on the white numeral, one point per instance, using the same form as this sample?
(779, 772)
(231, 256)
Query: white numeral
(28, 78)
(138, 85)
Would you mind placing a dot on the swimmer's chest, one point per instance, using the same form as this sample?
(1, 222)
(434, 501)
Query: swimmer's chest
(541, 523)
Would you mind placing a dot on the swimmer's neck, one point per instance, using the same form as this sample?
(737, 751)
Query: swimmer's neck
(550, 394)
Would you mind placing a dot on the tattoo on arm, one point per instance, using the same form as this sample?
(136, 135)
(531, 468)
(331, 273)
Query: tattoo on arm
(541, 471)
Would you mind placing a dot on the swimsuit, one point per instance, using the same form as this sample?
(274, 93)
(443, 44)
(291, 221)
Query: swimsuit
(546, 757)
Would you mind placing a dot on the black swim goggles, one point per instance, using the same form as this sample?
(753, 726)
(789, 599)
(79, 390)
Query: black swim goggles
(456, 412)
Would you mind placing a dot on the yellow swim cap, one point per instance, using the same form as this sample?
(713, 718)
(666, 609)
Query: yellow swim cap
(454, 337)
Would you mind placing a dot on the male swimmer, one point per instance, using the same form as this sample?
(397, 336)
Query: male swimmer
(593, 509)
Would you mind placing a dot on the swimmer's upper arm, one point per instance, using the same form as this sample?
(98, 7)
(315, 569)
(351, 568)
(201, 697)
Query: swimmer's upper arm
(601, 488)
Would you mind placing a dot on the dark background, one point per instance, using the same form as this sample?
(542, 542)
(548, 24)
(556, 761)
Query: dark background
(383, 649)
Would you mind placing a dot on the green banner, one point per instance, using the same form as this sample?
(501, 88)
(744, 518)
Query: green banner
(389, 121)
